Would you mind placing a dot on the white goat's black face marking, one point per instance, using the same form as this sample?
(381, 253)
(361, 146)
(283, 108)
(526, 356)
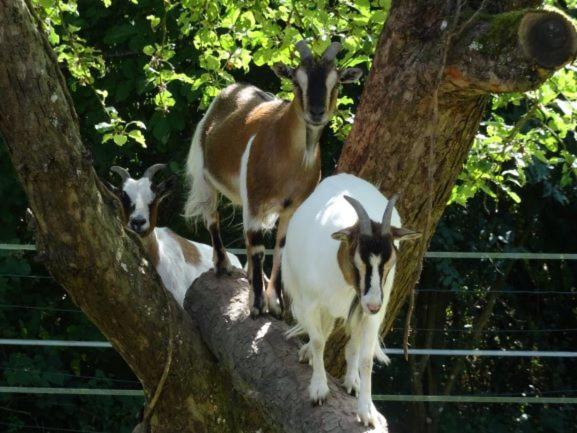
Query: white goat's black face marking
(374, 257)
(316, 85)
(137, 197)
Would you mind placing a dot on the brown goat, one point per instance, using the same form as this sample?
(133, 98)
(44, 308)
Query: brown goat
(262, 152)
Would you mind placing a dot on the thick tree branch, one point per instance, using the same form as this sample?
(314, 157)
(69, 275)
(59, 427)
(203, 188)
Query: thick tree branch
(87, 250)
(511, 52)
(85, 246)
(263, 364)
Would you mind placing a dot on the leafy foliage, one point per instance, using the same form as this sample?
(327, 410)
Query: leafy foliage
(142, 71)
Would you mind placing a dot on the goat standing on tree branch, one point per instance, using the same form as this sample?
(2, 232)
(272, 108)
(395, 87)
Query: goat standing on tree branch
(262, 152)
(339, 263)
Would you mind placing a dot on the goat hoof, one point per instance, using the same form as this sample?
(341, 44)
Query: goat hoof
(305, 354)
(276, 311)
(256, 312)
(367, 414)
(352, 384)
(318, 392)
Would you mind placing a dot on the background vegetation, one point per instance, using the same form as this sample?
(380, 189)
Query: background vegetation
(141, 72)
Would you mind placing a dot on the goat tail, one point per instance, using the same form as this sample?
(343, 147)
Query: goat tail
(380, 354)
(202, 198)
(295, 331)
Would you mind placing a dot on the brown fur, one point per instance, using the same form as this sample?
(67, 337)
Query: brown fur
(189, 250)
(151, 246)
(350, 242)
(345, 259)
(274, 159)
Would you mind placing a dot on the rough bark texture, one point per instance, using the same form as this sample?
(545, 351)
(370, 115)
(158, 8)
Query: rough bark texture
(85, 248)
(263, 364)
(424, 99)
(421, 108)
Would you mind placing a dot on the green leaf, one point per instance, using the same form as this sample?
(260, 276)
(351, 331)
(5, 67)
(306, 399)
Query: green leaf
(154, 21)
(137, 136)
(149, 50)
(120, 139)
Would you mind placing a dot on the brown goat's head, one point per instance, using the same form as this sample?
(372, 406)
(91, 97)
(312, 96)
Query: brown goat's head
(316, 81)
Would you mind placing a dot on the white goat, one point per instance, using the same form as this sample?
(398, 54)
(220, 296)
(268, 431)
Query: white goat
(177, 260)
(338, 262)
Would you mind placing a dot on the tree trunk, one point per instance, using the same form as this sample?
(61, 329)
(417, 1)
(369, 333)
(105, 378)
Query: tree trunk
(252, 385)
(421, 108)
(433, 71)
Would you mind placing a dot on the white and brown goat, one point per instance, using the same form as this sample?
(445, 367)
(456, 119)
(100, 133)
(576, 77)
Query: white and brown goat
(177, 260)
(262, 152)
(339, 263)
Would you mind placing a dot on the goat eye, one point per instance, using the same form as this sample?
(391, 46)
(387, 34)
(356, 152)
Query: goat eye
(126, 201)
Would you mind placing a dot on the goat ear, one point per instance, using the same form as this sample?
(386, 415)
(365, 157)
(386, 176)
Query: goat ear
(402, 234)
(350, 75)
(343, 235)
(165, 187)
(283, 71)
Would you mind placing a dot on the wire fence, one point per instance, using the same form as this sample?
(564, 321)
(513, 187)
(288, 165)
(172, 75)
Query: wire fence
(430, 254)
(483, 399)
(480, 399)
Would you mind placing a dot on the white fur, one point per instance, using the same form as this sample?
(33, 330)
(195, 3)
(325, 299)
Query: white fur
(319, 292)
(141, 196)
(202, 199)
(177, 275)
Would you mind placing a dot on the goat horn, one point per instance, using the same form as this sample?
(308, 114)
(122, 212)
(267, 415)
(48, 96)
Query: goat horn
(304, 50)
(153, 169)
(331, 52)
(122, 172)
(364, 220)
(388, 215)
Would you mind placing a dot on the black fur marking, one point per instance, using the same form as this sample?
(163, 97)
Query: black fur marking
(282, 242)
(317, 89)
(378, 245)
(353, 309)
(368, 273)
(126, 202)
(278, 288)
(256, 280)
(255, 238)
(217, 245)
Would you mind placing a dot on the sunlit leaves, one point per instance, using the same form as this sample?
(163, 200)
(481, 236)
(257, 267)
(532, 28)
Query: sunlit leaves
(116, 129)
(540, 139)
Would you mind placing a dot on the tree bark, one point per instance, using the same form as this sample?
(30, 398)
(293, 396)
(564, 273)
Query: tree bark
(423, 102)
(263, 364)
(252, 384)
(85, 248)
(419, 113)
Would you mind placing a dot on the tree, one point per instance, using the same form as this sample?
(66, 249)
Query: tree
(102, 268)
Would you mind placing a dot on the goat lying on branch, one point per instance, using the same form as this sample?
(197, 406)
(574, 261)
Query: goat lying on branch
(262, 152)
(177, 260)
(339, 263)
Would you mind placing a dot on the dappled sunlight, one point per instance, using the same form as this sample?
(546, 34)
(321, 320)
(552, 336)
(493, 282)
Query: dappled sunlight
(260, 335)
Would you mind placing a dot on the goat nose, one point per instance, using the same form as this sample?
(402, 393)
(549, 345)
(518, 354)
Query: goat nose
(317, 112)
(137, 223)
(374, 308)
